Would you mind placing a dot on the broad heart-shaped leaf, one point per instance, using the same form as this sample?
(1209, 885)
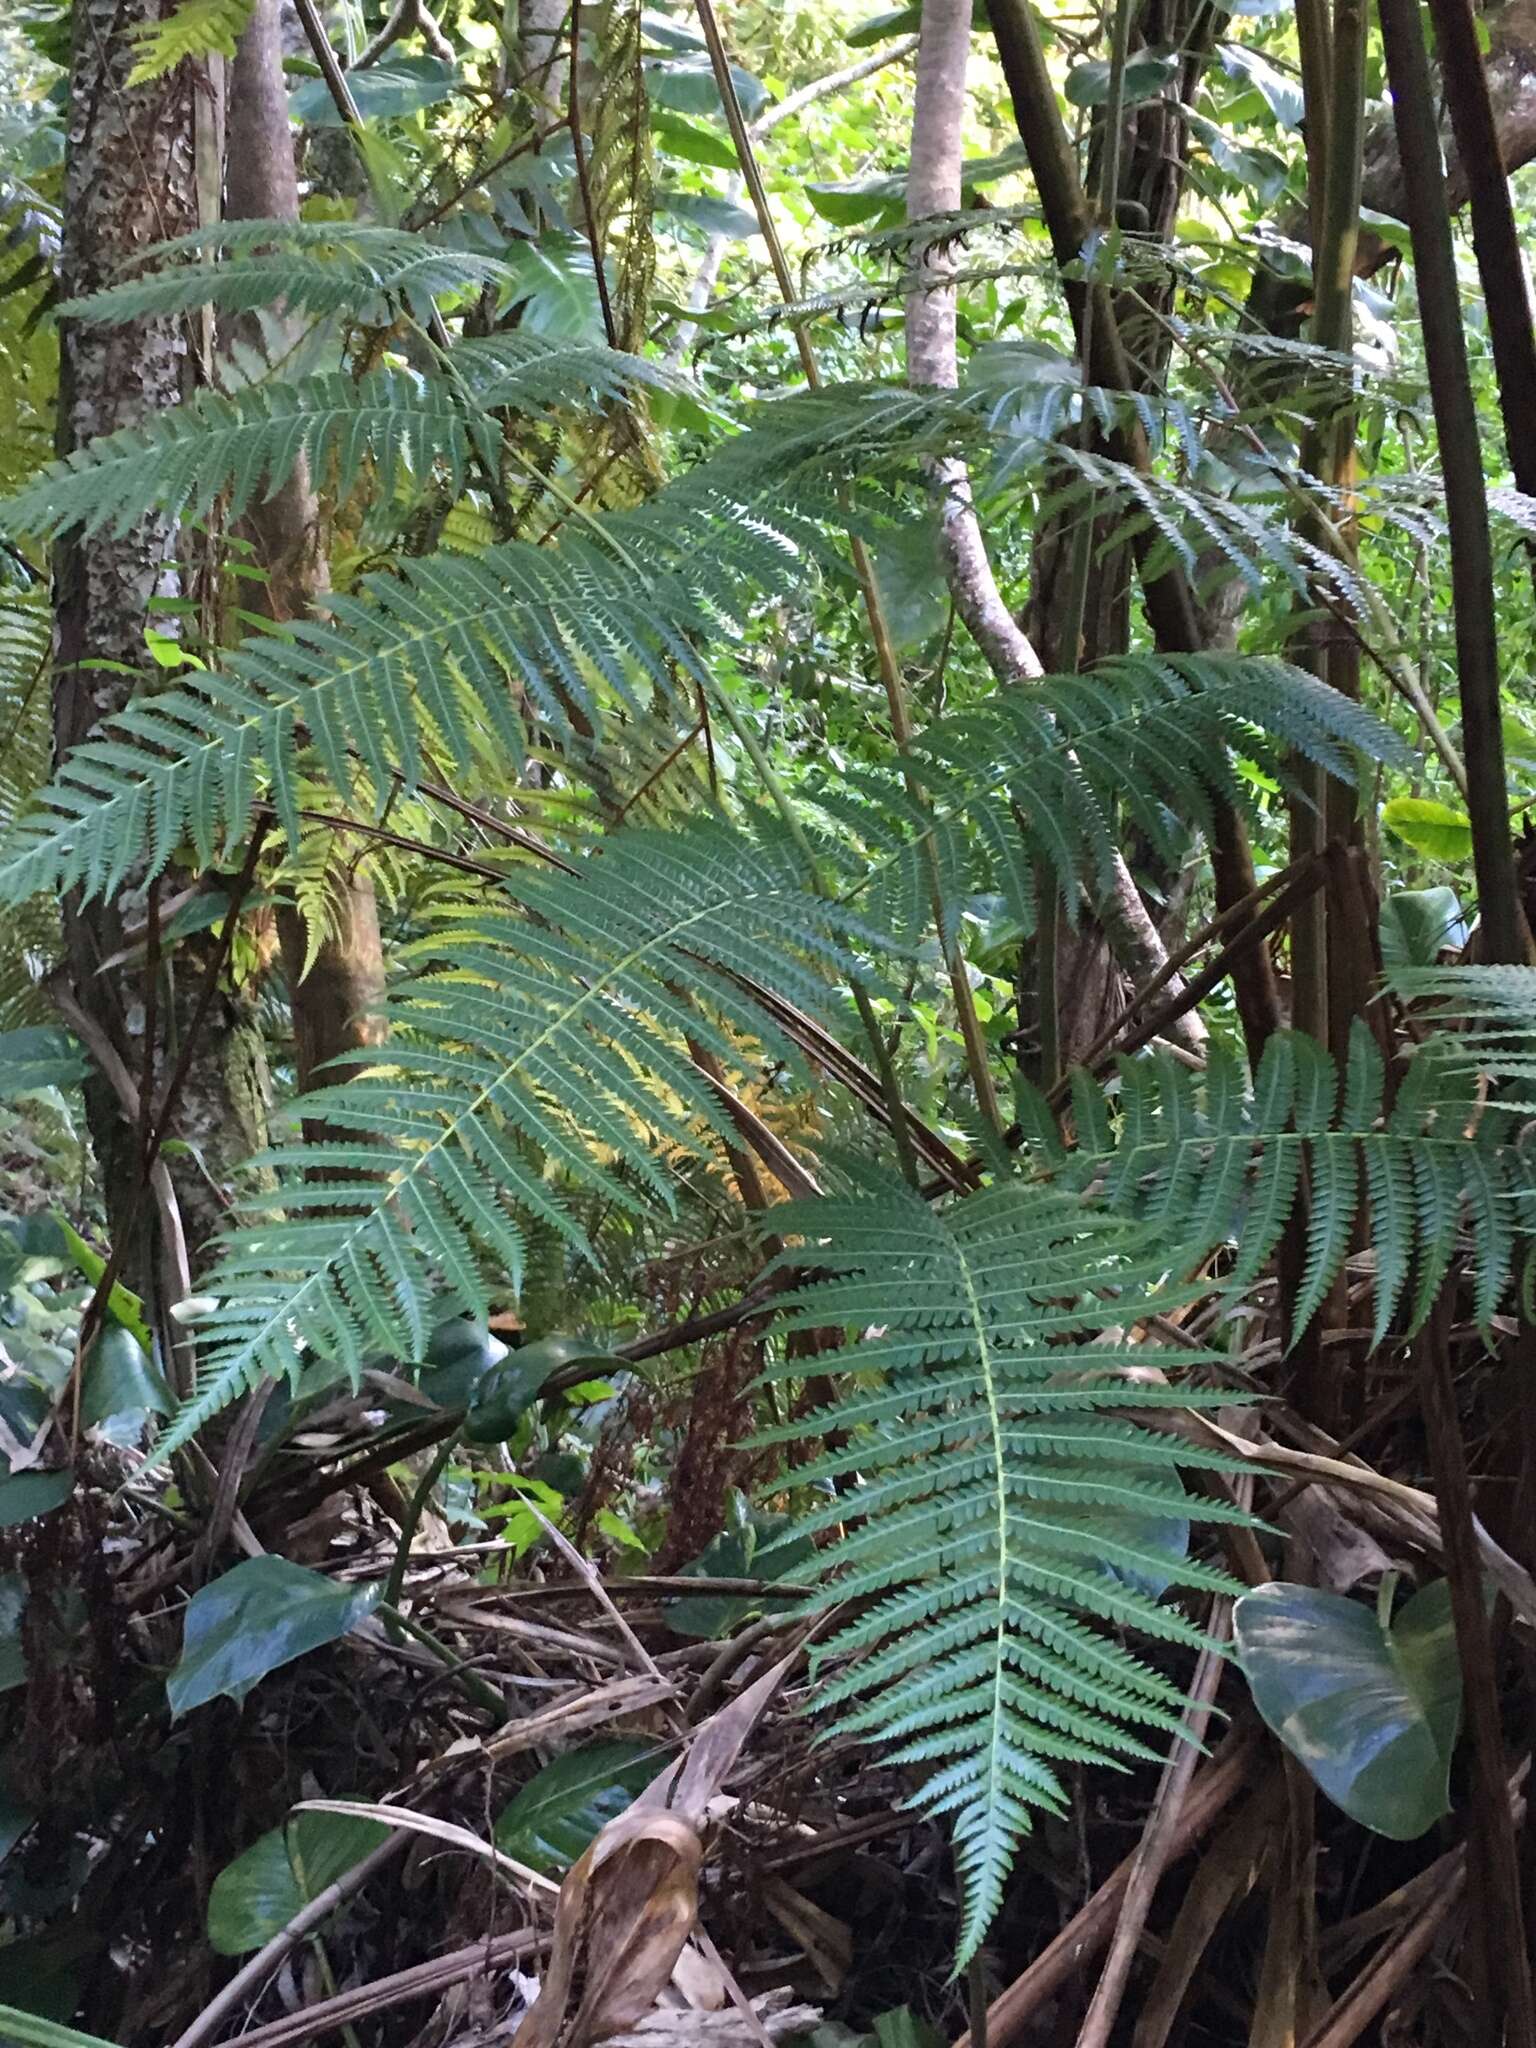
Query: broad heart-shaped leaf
(461, 1353)
(26, 1494)
(256, 1896)
(122, 1379)
(556, 1814)
(1429, 827)
(762, 1547)
(261, 1615)
(1371, 1712)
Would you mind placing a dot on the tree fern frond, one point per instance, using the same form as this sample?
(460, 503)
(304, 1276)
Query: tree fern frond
(195, 29)
(315, 267)
(1006, 1528)
(1037, 775)
(1222, 1163)
(552, 1025)
(248, 444)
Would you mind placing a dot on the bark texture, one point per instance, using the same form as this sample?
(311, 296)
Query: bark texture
(130, 180)
(335, 1004)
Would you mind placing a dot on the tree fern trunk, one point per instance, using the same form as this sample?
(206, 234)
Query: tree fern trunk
(335, 1004)
(131, 180)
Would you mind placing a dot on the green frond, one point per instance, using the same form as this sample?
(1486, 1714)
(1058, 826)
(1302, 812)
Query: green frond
(1037, 777)
(182, 459)
(1220, 1162)
(553, 1023)
(1004, 1553)
(195, 29)
(314, 267)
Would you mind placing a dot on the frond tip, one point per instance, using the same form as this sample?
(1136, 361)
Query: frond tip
(1012, 1516)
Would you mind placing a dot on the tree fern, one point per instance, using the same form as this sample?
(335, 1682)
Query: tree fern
(553, 1018)
(1005, 1527)
(1216, 1161)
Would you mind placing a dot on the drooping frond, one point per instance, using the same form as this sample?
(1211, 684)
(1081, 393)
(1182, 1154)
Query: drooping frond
(1216, 1161)
(195, 29)
(183, 458)
(1011, 1517)
(552, 1025)
(1035, 777)
(314, 267)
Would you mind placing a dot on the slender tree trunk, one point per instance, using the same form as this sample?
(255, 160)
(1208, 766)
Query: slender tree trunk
(130, 180)
(335, 1004)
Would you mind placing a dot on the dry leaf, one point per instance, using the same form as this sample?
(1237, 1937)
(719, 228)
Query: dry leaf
(626, 1908)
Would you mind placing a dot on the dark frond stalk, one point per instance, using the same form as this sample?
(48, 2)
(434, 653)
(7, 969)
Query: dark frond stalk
(1504, 937)
(1169, 600)
(1506, 1998)
(977, 1055)
(335, 1004)
(1495, 239)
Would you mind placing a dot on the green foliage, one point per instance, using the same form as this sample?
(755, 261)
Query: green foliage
(1219, 1161)
(269, 1884)
(1048, 777)
(195, 29)
(253, 1620)
(551, 1024)
(996, 1542)
(1370, 1707)
(391, 423)
(551, 1821)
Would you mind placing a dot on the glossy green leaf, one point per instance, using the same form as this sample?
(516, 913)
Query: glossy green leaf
(556, 1814)
(709, 213)
(397, 84)
(1281, 94)
(1371, 1712)
(695, 145)
(254, 1619)
(1145, 77)
(460, 1354)
(850, 202)
(506, 1393)
(257, 1895)
(686, 85)
(1429, 827)
(758, 1547)
(24, 1495)
(122, 1379)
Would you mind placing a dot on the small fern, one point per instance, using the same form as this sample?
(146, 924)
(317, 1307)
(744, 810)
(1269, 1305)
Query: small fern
(1010, 1518)
(552, 1020)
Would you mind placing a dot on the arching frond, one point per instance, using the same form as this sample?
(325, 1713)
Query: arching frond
(553, 1024)
(247, 445)
(1011, 1518)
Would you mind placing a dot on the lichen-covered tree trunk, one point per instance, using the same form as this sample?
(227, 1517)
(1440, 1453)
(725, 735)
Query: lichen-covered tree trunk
(131, 180)
(335, 1004)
